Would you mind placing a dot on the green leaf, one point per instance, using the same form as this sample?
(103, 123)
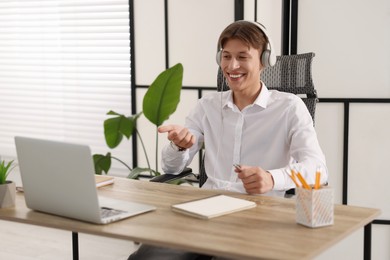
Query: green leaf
(102, 163)
(136, 171)
(163, 95)
(179, 182)
(117, 127)
(134, 174)
(5, 170)
(113, 113)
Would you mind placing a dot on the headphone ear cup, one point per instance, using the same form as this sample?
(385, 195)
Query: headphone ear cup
(265, 58)
(218, 57)
(268, 57)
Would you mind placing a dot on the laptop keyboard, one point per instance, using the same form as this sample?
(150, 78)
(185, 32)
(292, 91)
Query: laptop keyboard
(109, 212)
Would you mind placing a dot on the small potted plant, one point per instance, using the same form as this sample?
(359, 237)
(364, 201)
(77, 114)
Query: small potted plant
(7, 187)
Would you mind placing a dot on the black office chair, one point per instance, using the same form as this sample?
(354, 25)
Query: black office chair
(291, 73)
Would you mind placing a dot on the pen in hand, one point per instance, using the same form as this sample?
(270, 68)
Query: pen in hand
(237, 167)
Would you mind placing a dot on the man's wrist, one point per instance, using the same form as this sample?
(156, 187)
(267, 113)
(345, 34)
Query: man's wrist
(177, 148)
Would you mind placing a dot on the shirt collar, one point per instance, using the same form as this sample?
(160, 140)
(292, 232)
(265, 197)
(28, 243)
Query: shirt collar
(261, 100)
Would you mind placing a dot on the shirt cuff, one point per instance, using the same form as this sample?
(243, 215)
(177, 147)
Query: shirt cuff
(177, 148)
(279, 179)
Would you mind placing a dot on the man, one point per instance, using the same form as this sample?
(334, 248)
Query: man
(266, 133)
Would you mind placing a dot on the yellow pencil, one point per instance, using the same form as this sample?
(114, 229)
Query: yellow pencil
(318, 178)
(302, 180)
(293, 174)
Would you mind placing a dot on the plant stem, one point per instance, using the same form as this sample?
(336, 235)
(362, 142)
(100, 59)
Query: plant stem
(156, 149)
(119, 160)
(143, 147)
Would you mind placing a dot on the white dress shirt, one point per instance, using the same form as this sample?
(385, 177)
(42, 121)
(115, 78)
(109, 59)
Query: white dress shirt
(276, 133)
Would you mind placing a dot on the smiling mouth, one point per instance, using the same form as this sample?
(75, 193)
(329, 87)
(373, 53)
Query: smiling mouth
(236, 76)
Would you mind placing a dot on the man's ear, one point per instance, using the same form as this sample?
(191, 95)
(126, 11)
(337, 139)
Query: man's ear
(261, 66)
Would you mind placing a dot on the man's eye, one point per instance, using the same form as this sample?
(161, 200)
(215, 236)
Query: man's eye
(242, 57)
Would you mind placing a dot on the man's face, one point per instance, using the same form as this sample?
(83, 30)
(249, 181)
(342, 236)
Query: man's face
(241, 65)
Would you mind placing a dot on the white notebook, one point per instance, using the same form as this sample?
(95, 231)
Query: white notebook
(213, 206)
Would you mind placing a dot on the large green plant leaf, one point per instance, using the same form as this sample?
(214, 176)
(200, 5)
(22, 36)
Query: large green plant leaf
(117, 127)
(163, 96)
(102, 163)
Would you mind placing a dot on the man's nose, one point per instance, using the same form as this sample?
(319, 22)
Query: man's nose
(234, 64)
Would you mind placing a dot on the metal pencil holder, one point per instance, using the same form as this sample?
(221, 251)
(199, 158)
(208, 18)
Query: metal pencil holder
(315, 208)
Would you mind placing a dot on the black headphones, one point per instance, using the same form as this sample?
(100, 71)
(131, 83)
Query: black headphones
(267, 58)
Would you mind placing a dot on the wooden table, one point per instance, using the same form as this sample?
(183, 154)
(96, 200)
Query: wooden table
(268, 231)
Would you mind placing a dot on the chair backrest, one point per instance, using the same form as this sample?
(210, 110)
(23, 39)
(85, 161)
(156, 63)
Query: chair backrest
(291, 73)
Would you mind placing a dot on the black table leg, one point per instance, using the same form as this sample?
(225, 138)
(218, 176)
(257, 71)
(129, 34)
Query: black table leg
(75, 245)
(367, 241)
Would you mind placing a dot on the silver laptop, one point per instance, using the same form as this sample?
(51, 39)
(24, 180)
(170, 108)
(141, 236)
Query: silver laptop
(58, 178)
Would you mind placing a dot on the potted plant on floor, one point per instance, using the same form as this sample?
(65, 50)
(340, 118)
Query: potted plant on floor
(7, 187)
(159, 103)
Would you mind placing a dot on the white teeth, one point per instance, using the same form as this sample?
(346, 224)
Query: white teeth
(235, 75)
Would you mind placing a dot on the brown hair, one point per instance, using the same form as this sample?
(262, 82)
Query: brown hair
(245, 31)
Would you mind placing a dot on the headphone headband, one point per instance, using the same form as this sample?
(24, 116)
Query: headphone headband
(268, 57)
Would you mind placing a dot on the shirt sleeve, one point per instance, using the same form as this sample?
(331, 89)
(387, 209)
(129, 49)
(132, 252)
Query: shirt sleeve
(173, 161)
(306, 154)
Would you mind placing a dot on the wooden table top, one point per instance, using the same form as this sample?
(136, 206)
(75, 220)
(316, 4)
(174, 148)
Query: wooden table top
(268, 231)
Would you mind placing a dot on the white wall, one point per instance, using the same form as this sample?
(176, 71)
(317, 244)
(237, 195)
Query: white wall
(350, 39)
